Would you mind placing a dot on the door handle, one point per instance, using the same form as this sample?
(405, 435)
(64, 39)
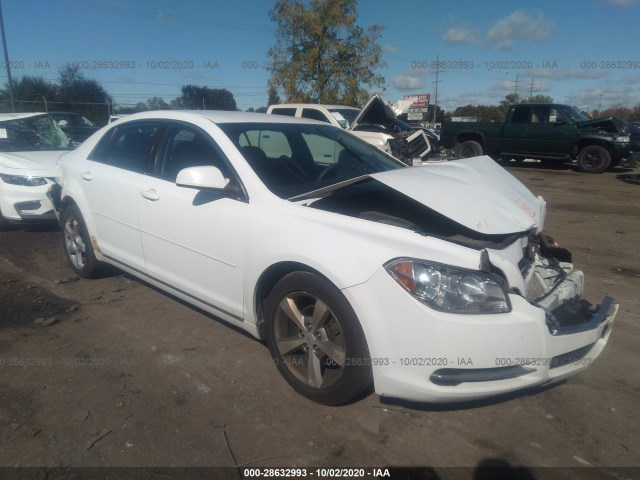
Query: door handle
(150, 194)
(86, 176)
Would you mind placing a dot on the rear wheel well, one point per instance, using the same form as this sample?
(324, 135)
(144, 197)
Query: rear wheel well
(269, 278)
(473, 137)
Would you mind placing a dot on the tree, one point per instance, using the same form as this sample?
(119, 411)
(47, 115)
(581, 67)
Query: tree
(204, 98)
(32, 94)
(484, 113)
(157, 103)
(540, 99)
(79, 94)
(274, 98)
(321, 55)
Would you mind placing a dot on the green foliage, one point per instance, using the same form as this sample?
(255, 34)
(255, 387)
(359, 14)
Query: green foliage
(484, 113)
(79, 94)
(29, 94)
(157, 103)
(205, 98)
(540, 99)
(321, 55)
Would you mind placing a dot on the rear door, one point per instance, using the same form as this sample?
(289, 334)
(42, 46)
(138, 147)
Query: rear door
(112, 178)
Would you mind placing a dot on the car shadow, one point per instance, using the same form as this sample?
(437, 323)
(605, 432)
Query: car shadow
(633, 178)
(470, 404)
(48, 226)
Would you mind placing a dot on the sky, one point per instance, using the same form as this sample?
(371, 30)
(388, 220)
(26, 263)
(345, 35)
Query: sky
(582, 52)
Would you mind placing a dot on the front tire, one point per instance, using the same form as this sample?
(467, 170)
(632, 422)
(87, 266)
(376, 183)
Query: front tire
(315, 339)
(469, 149)
(593, 159)
(77, 244)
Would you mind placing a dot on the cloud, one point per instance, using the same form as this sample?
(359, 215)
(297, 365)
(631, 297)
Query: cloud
(569, 74)
(519, 26)
(388, 48)
(591, 98)
(460, 34)
(411, 80)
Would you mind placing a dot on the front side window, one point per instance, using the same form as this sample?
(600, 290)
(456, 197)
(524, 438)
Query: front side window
(185, 147)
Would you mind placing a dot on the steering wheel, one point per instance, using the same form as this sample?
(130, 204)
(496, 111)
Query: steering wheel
(294, 168)
(328, 171)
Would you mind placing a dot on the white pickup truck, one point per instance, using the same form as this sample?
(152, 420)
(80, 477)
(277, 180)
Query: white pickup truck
(376, 124)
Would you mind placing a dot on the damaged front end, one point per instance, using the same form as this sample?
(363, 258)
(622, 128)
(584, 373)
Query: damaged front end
(411, 146)
(552, 284)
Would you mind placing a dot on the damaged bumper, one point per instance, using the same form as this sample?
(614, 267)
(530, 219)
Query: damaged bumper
(453, 357)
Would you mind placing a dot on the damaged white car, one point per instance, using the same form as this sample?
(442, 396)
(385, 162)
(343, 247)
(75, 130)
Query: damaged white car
(430, 283)
(375, 123)
(30, 145)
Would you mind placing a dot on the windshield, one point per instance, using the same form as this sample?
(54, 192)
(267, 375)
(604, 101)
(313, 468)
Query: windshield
(32, 134)
(348, 115)
(295, 159)
(575, 114)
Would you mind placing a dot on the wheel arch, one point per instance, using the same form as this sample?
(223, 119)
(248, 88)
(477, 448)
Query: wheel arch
(470, 136)
(269, 278)
(588, 141)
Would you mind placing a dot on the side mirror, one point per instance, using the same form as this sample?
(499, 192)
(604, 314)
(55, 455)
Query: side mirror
(206, 177)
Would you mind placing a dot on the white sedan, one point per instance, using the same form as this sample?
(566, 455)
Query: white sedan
(430, 283)
(30, 146)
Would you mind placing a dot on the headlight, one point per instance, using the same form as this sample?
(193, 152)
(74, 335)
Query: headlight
(25, 181)
(450, 289)
(624, 139)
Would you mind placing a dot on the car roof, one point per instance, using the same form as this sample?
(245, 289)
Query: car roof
(217, 116)
(296, 105)
(19, 116)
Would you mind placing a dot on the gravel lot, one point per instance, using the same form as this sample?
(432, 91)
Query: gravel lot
(128, 376)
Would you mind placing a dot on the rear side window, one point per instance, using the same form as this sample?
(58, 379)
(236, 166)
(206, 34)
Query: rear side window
(128, 146)
(314, 114)
(289, 112)
(521, 115)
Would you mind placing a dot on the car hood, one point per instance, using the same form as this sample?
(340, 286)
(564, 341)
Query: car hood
(377, 111)
(610, 125)
(475, 192)
(37, 160)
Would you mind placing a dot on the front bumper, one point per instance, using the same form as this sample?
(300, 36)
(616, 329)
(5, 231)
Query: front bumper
(22, 204)
(419, 354)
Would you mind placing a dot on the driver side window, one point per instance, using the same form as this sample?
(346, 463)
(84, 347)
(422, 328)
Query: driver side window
(184, 147)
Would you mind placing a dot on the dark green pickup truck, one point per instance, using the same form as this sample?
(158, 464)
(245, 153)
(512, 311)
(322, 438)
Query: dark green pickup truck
(548, 132)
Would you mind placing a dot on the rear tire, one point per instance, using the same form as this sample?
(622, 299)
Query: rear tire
(315, 339)
(593, 159)
(469, 149)
(77, 244)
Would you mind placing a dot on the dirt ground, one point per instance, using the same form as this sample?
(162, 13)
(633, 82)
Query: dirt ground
(112, 372)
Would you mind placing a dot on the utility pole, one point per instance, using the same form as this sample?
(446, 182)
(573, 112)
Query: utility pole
(600, 104)
(6, 59)
(531, 91)
(517, 82)
(435, 103)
